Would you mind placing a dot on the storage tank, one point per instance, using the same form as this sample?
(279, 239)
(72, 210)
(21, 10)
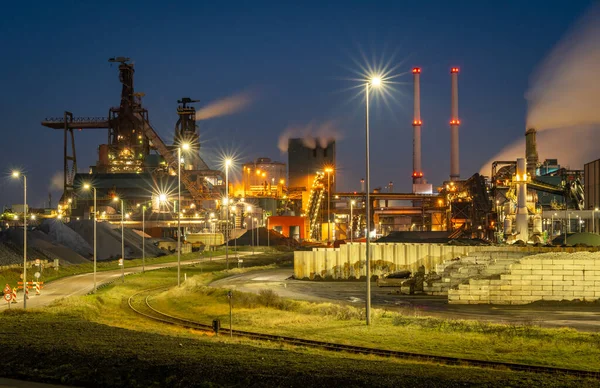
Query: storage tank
(537, 224)
(507, 225)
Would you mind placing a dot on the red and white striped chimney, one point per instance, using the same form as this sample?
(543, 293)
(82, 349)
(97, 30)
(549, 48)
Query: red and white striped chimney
(417, 174)
(454, 123)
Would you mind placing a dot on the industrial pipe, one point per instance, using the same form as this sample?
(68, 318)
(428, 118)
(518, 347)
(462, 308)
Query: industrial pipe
(522, 214)
(417, 174)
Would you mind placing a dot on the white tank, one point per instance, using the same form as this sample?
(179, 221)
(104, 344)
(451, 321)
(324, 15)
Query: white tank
(537, 224)
(507, 225)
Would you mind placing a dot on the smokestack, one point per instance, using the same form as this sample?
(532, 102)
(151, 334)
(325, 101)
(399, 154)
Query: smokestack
(454, 123)
(417, 174)
(522, 223)
(531, 152)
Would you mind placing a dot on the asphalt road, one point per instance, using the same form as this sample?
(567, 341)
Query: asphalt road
(578, 316)
(84, 283)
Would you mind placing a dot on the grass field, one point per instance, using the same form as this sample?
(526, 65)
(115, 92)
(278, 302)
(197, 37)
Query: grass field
(95, 340)
(268, 313)
(11, 276)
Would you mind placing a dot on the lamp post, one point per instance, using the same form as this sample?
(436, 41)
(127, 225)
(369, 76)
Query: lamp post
(594, 220)
(183, 146)
(375, 81)
(87, 186)
(143, 238)
(328, 170)
(249, 209)
(227, 164)
(552, 229)
(257, 233)
(17, 175)
(352, 203)
(116, 199)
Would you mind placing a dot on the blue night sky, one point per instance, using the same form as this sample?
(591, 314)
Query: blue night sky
(298, 61)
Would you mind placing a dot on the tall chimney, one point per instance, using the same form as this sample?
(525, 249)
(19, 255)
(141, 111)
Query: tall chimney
(531, 152)
(417, 174)
(454, 123)
(522, 213)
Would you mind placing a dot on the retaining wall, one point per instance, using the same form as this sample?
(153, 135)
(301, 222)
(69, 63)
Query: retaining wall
(348, 261)
(548, 276)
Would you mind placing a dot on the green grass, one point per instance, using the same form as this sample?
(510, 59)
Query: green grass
(64, 349)
(95, 340)
(268, 313)
(11, 276)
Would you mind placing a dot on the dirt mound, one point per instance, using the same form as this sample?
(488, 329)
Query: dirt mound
(108, 240)
(263, 237)
(63, 235)
(39, 246)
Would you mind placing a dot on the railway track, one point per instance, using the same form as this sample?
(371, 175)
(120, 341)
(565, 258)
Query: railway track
(139, 303)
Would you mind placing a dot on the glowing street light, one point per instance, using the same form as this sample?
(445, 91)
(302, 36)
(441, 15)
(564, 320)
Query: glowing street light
(373, 82)
(117, 199)
(249, 209)
(227, 164)
(87, 186)
(17, 175)
(183, 146)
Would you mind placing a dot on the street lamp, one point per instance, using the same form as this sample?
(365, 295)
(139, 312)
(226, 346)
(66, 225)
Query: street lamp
(183, 146)
(328, 170)
(117, 199)
(227, 164)
(373, 82)
(594, 220)
(17, 175)
(87, 186)
(143, 238)
(249, 209)
(352, 203)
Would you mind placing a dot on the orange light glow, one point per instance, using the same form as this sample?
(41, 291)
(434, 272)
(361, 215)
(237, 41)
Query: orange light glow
(416, 70)
(454, 70)
(417, 122)
(455, 122)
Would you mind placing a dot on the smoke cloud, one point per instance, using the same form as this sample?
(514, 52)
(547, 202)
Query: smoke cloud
(226, 106)
(312, 134)
(57, 181)
(562, 99)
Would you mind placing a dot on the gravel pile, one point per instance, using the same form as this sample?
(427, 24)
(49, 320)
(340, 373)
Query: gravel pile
(109, 240)
(275, 239)
(61, 234)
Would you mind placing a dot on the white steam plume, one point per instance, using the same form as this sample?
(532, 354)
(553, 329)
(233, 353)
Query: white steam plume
(226, 106)
(562, 99)
(312, 134)
(57, 181)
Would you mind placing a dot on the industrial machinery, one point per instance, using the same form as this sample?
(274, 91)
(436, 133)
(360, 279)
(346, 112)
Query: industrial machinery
(131, 139)
(317, 192)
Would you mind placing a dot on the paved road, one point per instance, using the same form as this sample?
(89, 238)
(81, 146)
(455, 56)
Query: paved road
(84, 283)
(12, 383)
(585, 318)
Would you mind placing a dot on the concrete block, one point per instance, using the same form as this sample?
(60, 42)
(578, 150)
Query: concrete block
(541, 282)
(459, 302)
(532, 277)
(552, 288)
(541, 293)
(520, 271)
(582, 261)
(553, 277)
(575, 279)
(469, 297)
(562, 283)
(531, 288)
(499, 301)
(510, 287)
(575, 289)
(521, 293)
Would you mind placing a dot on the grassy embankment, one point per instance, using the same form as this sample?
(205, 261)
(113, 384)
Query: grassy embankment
(269, 313)
(96, 341)
(11, 276)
